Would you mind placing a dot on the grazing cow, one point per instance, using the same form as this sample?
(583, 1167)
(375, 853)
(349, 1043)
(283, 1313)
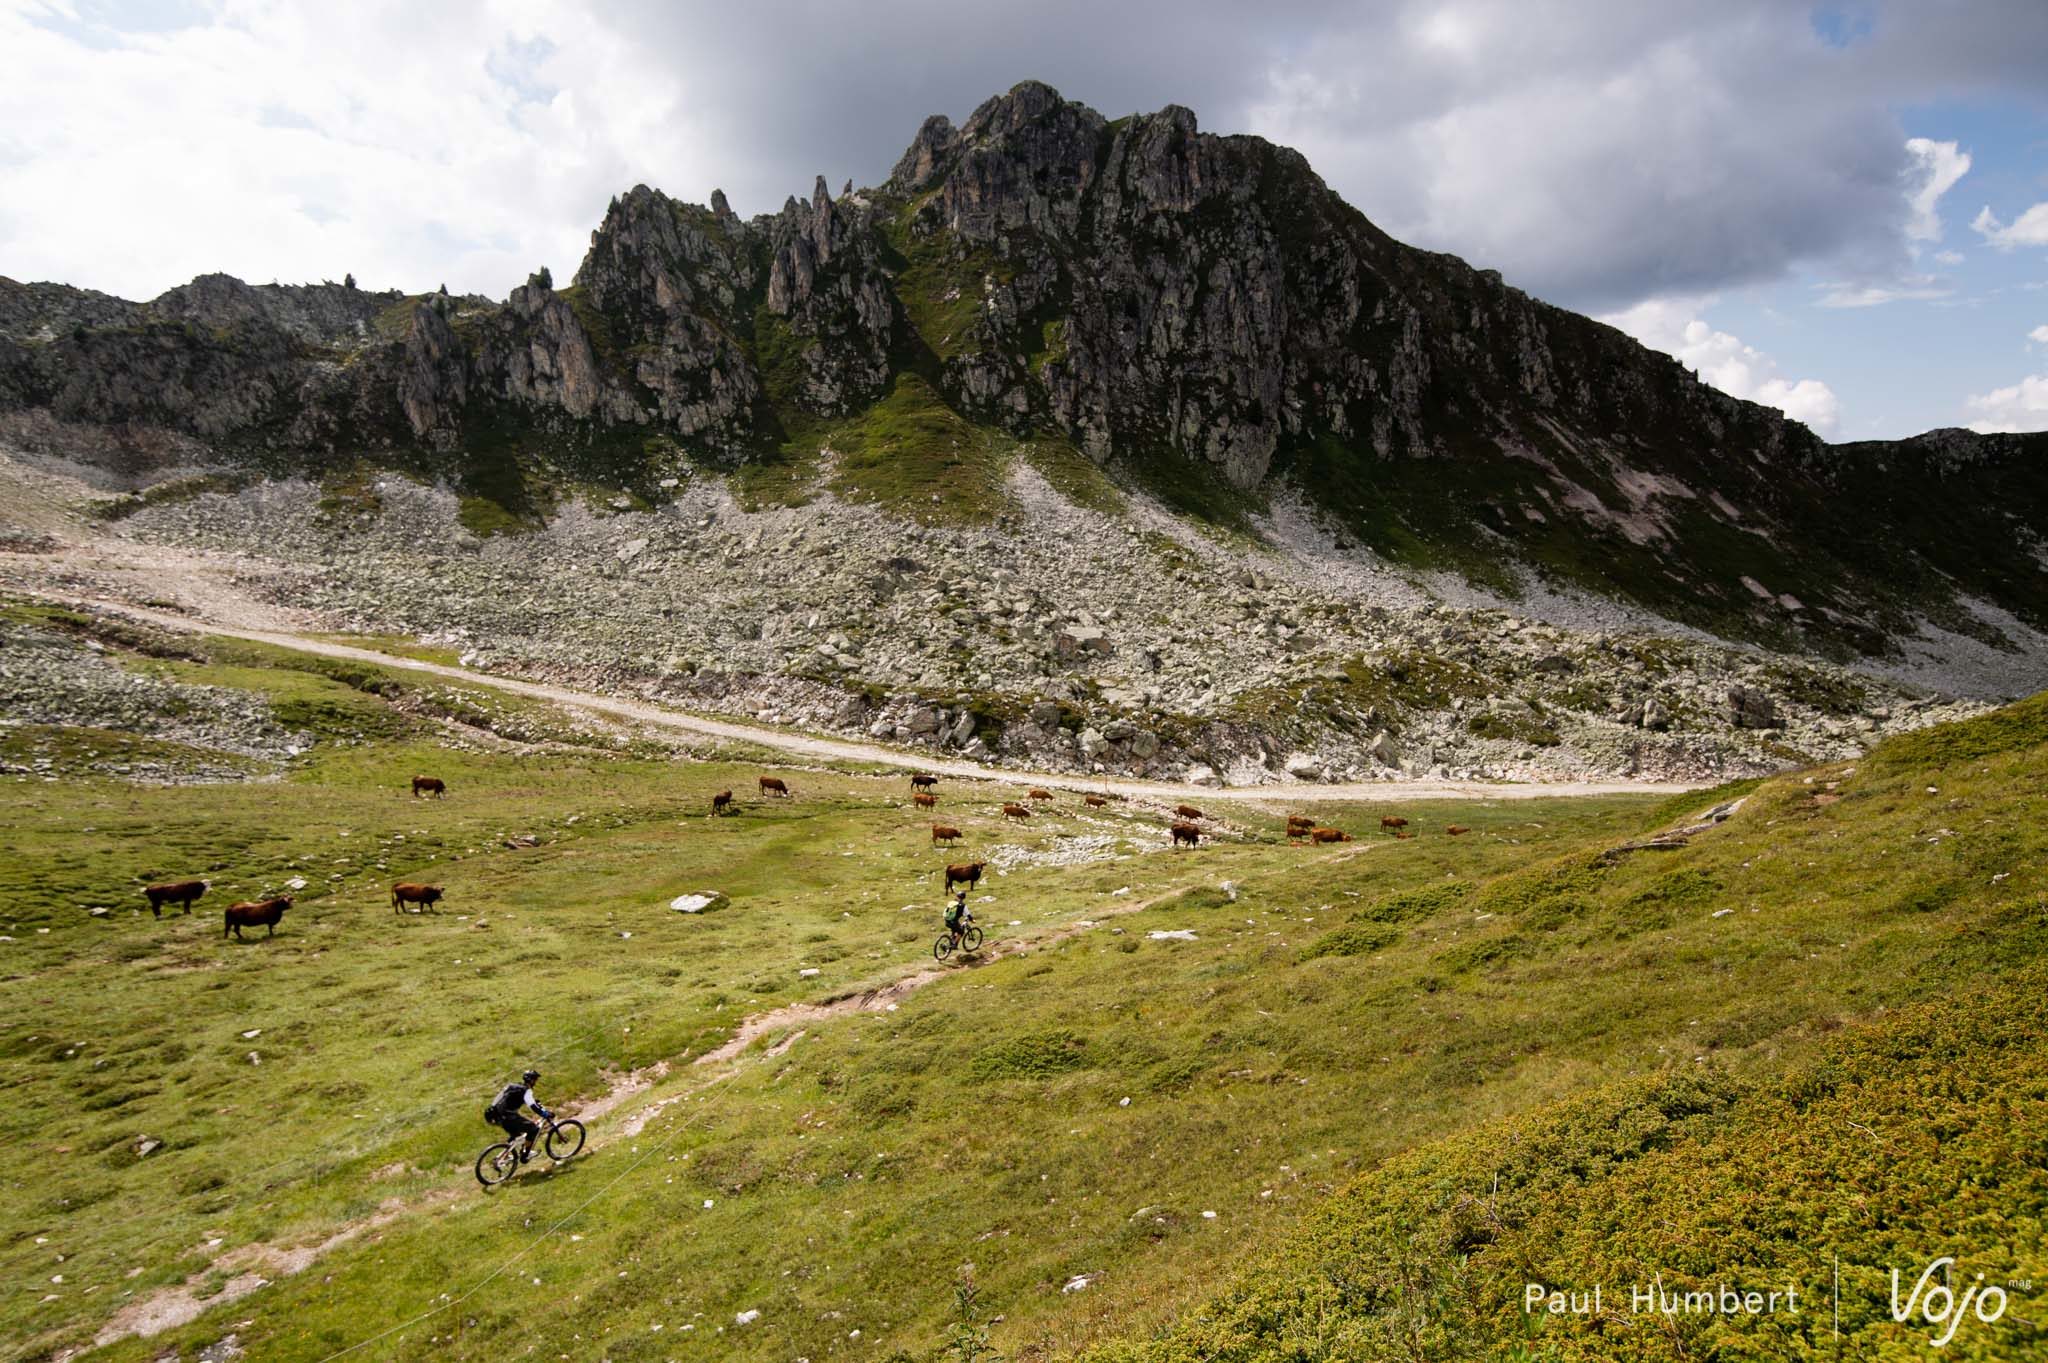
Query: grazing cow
(923, 781)
(966, 873)
(941, 833)
(772, 785)
(405, 892)
(1186, 833)
(1187, 812)
(1393, 821)
(248, 915)
(1093, 801)
(1300, 821)
(429, 785)
(924, 801)
(721, 803)
(1403, 836)
(1327, 835)
(1015, 811)
(1038, 794)
(1455, 829)
(173, 892)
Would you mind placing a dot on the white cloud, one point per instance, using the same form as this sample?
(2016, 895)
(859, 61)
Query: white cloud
(1907, 287)
(1939, 165)
(2039, 335)
(2029, 229)
(409, 144)
(2022, 407)
(1948, 257)
(1673, 325)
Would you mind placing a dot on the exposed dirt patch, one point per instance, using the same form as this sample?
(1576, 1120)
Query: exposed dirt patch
(254, 1266)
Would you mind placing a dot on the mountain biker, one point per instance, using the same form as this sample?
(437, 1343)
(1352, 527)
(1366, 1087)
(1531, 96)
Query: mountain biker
(504, 1112)
(957, 916)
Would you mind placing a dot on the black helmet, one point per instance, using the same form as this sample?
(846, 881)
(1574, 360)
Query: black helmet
(531, 1077)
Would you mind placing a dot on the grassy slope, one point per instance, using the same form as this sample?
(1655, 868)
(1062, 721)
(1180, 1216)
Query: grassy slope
(1329, 1019)
(1910, 1136)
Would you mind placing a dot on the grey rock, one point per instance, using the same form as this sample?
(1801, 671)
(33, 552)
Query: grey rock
(1750, 708)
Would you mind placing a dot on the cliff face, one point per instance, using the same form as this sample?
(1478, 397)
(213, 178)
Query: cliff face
(1198, 312)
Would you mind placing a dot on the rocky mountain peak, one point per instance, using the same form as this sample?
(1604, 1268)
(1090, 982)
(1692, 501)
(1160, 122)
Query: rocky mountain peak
(928, 153)
(1200, 314)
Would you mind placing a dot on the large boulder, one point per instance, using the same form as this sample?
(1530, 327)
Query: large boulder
(1750, 708)
(1080, 641)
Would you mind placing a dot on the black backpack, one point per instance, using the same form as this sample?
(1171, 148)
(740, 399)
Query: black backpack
(508, 1100)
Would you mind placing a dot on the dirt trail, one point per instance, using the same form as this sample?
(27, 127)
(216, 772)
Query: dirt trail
(255, 1266)
(799, 1017)
(846, 750)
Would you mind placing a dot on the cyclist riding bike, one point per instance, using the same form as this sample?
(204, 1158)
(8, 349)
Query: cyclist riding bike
(504, 1113)
(958, 916)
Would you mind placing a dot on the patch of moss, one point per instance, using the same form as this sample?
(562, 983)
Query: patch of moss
(1514, 727)
(914, 454)
(171, 491)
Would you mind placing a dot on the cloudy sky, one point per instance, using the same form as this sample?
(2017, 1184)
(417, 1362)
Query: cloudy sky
(1840, 209)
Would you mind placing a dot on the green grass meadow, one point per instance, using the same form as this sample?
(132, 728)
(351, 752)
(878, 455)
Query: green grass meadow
(1383, 1083)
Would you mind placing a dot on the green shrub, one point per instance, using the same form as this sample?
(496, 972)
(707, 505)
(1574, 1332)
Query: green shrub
(1034, 1055)
(1359, 940)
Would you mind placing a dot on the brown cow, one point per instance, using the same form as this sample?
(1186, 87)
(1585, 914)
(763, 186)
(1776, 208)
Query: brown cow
(248, 915)
(184, 892)
(405, 892)
(1038, 794)
(1015, 811)
(966, 873)
(1327, 835)
(430, 785)
(721, 803)
(1455, 829)
(1300, 821)
(1393, 821)
(1093, 801)
(774, 785)
(1403, 836)
(924, 801)
(1187, 812)
(1186, 833)
(941, 833)
(923, 781)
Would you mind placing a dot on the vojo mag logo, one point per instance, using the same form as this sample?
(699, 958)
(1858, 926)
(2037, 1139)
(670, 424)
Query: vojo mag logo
(1937, 1304)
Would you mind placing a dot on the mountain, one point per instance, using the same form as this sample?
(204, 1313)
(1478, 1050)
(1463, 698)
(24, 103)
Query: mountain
(1199, 315)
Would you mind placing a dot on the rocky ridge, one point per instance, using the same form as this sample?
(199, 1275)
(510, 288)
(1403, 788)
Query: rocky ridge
(1198, 314)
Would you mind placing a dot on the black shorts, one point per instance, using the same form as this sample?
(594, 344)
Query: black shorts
(514, 1124)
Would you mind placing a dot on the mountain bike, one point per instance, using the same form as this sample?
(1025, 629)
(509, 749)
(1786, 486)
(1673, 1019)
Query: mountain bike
(561, 1140)
(970, 940)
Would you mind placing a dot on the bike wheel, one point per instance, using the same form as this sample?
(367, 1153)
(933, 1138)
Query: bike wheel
(497, 1164)
(565, 1139)
(971, 939)
(942, 948)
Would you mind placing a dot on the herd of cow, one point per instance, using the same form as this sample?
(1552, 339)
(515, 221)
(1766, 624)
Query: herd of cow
(1185, 831)
(266, 913)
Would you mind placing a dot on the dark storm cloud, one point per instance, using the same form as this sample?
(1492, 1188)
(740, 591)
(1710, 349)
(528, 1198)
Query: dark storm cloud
(1598, 153)
(803, 89)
